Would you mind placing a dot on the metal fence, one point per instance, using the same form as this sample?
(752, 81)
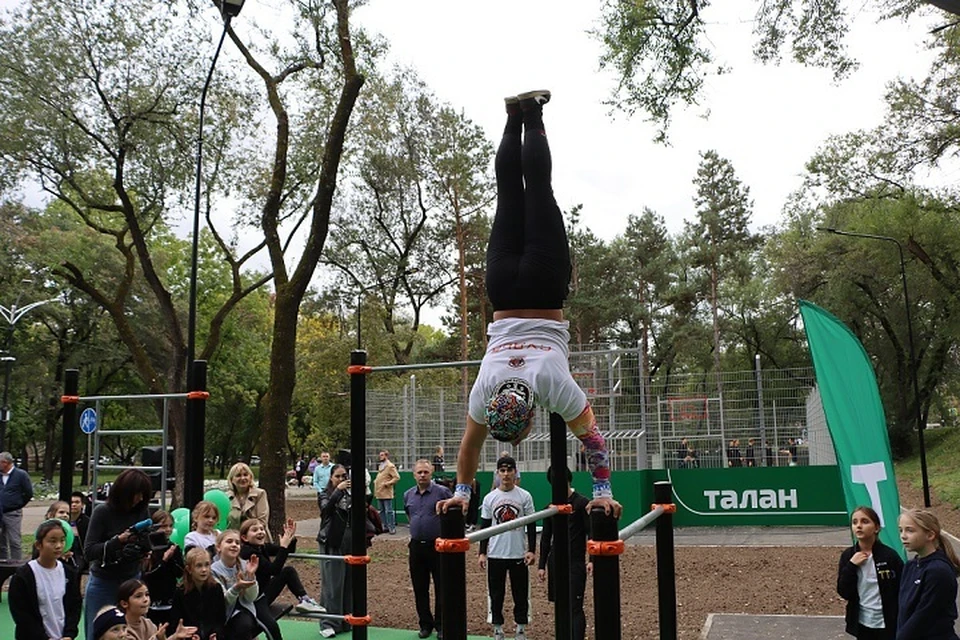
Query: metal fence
(643, 426)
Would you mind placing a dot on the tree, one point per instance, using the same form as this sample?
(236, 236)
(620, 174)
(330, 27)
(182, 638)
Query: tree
(662, 51)
(720, 241)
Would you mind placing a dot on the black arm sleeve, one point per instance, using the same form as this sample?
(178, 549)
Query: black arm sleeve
(546, 542)
(484, 523)
(532, 537)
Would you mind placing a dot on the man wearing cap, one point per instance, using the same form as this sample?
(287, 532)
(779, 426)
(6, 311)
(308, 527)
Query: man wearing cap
(508, 552)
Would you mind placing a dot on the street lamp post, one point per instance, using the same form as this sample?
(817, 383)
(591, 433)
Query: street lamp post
(913, 359)
(194, 436)
(12, 315)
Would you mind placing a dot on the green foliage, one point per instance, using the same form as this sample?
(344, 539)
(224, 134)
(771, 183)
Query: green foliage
(942, 445)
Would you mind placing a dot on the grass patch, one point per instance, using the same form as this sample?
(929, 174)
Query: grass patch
(943, 447)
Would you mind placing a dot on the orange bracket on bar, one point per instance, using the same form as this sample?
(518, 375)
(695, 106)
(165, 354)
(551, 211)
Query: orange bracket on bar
(605, 548)
(359, 368)
(451, 545)
(198, 395)
(566, 509)
(357, 621)
(70, 399)
(667, 508)
(356, 559)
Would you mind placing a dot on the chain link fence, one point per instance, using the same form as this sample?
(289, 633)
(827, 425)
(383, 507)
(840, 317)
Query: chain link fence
(720, 417)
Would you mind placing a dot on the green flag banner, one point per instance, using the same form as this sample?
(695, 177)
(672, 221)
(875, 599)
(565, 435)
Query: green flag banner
(851, 403)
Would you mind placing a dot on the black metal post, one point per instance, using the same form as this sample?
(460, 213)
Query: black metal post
(195, 435)
(68, 436)
(666, 568)
(453, 569)
(5, 407)
(358, 508)
(563, 606)
(606, 577)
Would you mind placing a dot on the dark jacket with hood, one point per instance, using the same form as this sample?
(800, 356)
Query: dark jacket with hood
(25, 605)
(889, 566)
(928, 599)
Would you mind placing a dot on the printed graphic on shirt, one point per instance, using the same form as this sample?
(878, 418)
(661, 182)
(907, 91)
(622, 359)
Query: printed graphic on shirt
(506, 512)
(518, 386)
(516, 363)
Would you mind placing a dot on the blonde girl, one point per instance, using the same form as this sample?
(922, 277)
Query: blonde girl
(868, 578)
(45, 592)
(928, 588)
(246, 500)
(247, 614)
(199, 601)
(59, 510)
(204, 519)
(109, 624)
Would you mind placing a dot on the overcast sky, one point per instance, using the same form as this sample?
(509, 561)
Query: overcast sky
(768, 120)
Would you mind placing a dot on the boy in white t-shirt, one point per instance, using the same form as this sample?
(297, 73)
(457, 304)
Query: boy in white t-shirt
(528, 274)
(508, 552)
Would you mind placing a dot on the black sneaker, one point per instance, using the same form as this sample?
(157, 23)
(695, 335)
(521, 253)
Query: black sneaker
(511, 100)
(531, 98)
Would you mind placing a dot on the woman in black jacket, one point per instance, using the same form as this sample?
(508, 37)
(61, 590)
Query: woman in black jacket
(112, 549)
(868, 578)
(336, 594)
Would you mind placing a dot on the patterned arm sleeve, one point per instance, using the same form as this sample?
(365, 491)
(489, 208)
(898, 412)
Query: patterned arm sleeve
(584, 427)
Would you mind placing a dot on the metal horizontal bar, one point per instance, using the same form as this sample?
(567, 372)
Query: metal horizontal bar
(138, 396)
(428, 365)
(489, 532)
(638, 525)
(314, 556)
(131, 432)
(121, 467)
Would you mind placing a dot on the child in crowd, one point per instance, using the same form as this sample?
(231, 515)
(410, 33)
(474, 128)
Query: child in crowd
(205, 517)
(134, 601)
(162, 568)
(199, 601)
(247, 616)
(869, 580)
(110, 624)
(45, 592)
(928, 587)
(73, 556)
(79, 521)
(274, 575)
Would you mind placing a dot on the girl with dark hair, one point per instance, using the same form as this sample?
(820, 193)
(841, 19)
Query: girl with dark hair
(45, 592)
(161, 570)
(928, 589)
(133, 599)
(868, 578)
(113, 550)
(528, 273)
(336, 590)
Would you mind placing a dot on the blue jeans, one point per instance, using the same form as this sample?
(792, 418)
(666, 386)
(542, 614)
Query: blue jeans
(387, 515)
(100, 593)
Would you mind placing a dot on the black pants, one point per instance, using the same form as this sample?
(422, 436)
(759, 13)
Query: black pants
(288, 577)
(528, 257)
(497, 570)
(244, 626)
(866, 633)
(578, 586)
(424, 562)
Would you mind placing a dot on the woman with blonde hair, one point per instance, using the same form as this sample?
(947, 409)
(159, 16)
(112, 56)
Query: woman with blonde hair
(928, 587)
(246, 501)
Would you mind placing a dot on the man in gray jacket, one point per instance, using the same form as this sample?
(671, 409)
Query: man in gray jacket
(15, 492)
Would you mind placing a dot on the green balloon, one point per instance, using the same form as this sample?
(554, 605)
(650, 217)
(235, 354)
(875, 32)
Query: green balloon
(219, 498)
(181, 513)
(68, 532)
(180, 528)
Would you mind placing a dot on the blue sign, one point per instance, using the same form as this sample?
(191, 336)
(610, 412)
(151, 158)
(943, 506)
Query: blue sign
(88, 421)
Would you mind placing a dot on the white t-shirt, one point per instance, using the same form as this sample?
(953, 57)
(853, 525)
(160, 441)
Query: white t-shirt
(530, 355)
(51, 588)
(871, 607)
(501, 506)
(202, 540)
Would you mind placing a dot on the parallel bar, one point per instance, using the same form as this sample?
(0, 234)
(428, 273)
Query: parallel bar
(637, 526)
(315, 556)
(358, 507)
(489, 532)
(606, 578)
(666, 568)
(426, 365)
(453, 573)
(143, 396)
(563, 604)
